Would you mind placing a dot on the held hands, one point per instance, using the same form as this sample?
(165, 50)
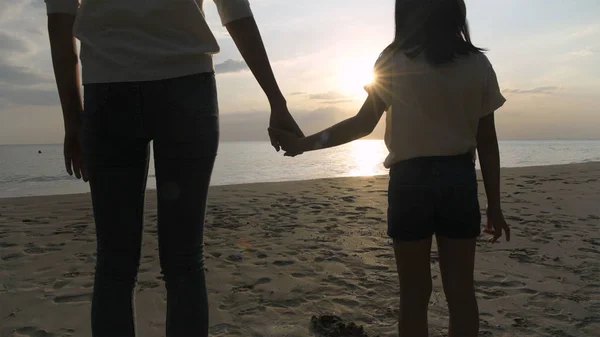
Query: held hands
(283, 130)
(289, 142)
(281, 119)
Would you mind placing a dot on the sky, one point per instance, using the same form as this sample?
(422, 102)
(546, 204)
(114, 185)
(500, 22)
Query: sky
(546, 54)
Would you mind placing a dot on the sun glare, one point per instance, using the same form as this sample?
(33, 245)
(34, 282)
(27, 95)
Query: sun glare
(367, 156)
(354, 75)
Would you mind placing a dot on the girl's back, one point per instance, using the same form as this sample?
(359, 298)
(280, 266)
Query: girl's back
(441, 93)
(435, 109)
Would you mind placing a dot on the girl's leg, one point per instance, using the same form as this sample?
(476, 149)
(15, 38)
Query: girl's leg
(411, 222)
(414, 272)
(457, 261)
(117, 161)
(459, 225)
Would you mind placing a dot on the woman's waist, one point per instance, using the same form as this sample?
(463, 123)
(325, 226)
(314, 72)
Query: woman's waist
(104, 67)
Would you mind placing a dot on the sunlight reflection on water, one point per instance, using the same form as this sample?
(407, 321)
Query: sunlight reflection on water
(24, 171)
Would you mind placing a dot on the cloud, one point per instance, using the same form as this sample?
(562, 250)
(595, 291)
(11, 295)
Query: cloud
(10, 7)
(15, 96)
(22, 82)
(298, 93)
(583, 52)
(231, 66)
(331, 98)
(550, 90)
(585, 31)
(12, 44)
(13, 74)
(332, 95)
(253, 125)
(339, 101)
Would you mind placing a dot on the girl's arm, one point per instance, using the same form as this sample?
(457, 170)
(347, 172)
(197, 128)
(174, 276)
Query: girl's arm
(358, 126)
(489, 159)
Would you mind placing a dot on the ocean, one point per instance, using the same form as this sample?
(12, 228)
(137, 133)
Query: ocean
(24, 171)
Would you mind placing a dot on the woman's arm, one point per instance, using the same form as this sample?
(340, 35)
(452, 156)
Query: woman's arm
(358, 126)
(66, 71)
(247, 38)
(66, 68)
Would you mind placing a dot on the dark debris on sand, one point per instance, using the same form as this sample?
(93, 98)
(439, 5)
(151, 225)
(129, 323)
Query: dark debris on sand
(334, 326)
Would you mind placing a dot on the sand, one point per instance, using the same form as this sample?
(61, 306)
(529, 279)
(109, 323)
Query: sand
(279, 253)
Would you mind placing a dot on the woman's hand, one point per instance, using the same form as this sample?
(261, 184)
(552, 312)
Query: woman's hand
(290, 142)
(74, 162)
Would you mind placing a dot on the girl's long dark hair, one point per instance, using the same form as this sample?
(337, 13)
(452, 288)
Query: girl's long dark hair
(436, 28)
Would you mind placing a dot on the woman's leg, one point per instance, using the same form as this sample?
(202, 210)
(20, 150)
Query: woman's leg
(457, 262)
(185, 147)
(116, 157)
(414, 272)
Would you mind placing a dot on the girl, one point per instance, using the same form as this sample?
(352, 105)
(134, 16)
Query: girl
(441, 92)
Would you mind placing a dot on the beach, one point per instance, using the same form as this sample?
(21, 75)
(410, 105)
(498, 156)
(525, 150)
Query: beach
(279, 253)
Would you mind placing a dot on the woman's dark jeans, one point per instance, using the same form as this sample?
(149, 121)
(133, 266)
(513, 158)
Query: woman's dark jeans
(180, 117)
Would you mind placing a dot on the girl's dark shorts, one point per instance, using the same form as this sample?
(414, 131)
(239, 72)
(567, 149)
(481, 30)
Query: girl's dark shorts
(434, 195)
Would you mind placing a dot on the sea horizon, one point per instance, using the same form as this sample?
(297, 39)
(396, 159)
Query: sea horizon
(39, 170)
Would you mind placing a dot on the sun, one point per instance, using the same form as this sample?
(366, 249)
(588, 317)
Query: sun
(354, 74)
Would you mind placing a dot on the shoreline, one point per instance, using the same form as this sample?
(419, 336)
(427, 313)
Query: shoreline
(153, 190)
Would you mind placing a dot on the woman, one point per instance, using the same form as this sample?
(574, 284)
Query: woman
(442, 93)
(148, 76)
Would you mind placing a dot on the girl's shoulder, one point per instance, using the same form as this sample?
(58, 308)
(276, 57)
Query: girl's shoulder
(478, 59)
(390, 60)
(397, 62)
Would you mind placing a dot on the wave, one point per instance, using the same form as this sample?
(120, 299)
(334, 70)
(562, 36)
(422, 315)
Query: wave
(36, 179)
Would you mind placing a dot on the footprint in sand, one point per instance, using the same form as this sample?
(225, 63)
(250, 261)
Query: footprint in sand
(283, 262)
(60, 284)
(249, 287)
(87, 285)
(348, 199)
(593, 242)
(12, 257)
(488, 294)
(79, 226)
(376, 267)
(34, 332)
(345, 302)
(85, 297)
(263, 280)
(148, 285)
(589, 250)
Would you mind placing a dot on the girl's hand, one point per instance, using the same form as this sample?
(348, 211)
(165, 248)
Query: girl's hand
(495, 220)
(289, 142)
